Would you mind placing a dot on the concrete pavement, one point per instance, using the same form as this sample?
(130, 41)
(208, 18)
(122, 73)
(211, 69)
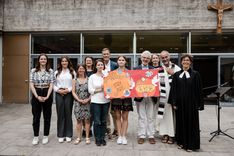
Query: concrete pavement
(16, 136)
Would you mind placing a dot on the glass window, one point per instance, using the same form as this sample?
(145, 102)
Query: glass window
(56, 44)
(207, 66)
(117, 43)
(227, 78)
(155, 43)
(212, 43)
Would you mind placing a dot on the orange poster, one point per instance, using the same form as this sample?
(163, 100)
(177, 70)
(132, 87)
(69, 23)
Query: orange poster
(131, 83)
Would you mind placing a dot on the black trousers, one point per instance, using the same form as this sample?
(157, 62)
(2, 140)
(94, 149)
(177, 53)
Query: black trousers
(38, 107)
(64, 105)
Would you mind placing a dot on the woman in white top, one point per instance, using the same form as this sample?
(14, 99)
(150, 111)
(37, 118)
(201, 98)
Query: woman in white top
(64, 100)
(99, 104)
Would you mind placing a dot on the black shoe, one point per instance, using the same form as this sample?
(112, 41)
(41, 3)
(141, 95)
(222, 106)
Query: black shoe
(98, 143)
(103, 142)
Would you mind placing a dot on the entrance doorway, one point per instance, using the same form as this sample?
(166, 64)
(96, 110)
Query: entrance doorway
(15, 68)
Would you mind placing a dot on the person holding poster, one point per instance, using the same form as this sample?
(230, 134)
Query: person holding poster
(121, 107)
(186, 99)
(146, 107)
(109, 66)
(165, 117)
(99, 104)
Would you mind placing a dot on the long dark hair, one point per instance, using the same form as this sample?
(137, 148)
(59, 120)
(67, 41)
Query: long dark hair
(124, 59)
(38, 63)
(78, 66)
(98, 60)
(70, 66)
(85, 62)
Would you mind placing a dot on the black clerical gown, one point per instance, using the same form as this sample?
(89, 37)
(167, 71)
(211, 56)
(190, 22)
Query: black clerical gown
(186, 95)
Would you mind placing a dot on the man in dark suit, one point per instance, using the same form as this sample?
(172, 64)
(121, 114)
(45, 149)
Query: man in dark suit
(109, 66)
(146, 107)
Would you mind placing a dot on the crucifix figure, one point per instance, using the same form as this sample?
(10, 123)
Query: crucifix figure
(220, 7)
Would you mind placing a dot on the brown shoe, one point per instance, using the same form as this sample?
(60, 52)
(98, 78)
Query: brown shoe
(170, 140)
(152, 141)
(165, 139)
(141, 140)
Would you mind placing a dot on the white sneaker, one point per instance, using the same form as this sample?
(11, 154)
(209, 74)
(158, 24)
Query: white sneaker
(119, 140)
(35, 141)
(124, 141)
(45, 140)
(68, 139)
(60, 140)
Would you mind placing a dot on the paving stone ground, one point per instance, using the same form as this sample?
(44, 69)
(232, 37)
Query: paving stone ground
(16, 135)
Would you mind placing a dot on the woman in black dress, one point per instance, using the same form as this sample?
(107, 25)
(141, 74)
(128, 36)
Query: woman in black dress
(121, 107)
(186, 98)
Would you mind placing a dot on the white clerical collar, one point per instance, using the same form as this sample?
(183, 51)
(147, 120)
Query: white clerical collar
(187, 75)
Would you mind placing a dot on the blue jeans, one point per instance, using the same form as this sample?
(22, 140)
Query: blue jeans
(99, 113)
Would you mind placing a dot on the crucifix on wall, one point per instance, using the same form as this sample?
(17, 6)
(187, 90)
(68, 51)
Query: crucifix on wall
(220, 7)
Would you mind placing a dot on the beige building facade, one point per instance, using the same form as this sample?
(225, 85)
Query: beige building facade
(79, 28)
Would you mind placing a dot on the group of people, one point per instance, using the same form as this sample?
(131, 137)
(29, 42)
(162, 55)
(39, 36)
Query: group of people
(174, 114)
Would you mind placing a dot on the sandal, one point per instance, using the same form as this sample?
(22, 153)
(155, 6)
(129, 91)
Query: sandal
(87, 141)
(180, 146)
(189, 150)
(170, 140)
(164, 139)
(77, 141)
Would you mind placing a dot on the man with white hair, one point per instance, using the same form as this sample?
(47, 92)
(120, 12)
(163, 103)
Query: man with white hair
(165, 117)
(145, 107)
